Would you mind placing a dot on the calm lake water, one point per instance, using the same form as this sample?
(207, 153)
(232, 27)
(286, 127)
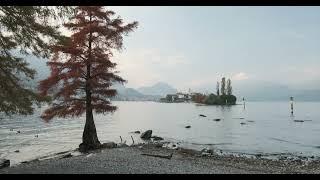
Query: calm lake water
(269, 128)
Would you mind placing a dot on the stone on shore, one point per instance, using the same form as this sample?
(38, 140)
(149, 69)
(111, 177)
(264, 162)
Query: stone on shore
(67, 155)
(146, 135)
(109, 145)
(4, 163)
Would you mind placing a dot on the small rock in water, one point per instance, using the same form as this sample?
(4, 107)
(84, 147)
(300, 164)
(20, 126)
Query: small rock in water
(137, 132)
(36, 136)
(250, 121)
(11, 129)
(4, 163)
(146, 135)
(217, 119)
(242, 123)
(16, 151)
(18, 132)
(157, 138)
(188, 127)
(298, 120)
(202, 115)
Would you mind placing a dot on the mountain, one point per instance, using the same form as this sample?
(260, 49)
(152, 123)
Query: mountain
(267, 91)
(160, 89)
(130, 94)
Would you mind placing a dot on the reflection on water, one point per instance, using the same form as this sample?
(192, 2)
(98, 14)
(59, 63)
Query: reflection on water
(262, 127)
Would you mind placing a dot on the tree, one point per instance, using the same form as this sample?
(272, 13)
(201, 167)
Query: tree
(218, 89)
(24, 28)
(229, 87)
(223, 86)
(81, 69)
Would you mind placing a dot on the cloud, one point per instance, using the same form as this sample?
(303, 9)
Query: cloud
(147, 66)
(240, 76)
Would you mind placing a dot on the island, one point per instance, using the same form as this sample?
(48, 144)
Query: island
(223, 96)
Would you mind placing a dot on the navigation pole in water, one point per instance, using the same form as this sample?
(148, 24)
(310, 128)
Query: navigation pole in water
(244, 103)
(291, 104)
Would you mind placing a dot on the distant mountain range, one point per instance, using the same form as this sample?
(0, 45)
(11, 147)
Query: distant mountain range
(160, 89)
(130, 94)
(250, 90)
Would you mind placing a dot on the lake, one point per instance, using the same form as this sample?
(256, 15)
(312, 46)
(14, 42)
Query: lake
(268, 128)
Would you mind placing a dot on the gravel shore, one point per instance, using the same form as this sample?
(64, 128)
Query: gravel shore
(129, 160)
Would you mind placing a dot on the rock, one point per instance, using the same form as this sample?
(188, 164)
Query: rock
(146, 135)
(206, 150)
(188, 127)
(36, 136)
(242, 123)
(217, 119)
(250, 121)
(157, 138)
(298, 120)
(202, 115)
(16, 151)
(4, 163)
(122, 145)
(67, 155)
(18, 132)
(258, 155)
(173, 145)
(137, 132)
(109, 145)
(11, 129)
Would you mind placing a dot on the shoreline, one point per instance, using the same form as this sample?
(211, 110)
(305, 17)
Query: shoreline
(229, 163)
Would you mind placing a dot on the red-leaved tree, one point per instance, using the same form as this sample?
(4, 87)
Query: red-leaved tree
(81, 69)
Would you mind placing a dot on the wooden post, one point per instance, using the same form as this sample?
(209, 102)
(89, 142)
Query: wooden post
(291, 104)
(244, 103)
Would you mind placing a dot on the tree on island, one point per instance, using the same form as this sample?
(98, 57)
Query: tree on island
(226, 97)
(218, 89)
(223, 86)
(229, 87)
(24, 29)
(82, 71)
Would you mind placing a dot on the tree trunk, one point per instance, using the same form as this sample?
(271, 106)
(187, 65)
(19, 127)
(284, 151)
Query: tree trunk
(89, 138)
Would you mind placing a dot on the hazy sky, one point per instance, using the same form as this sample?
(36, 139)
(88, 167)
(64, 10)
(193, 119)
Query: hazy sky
(192, 47)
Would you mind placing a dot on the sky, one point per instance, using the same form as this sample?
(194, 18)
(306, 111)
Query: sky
(193, 47)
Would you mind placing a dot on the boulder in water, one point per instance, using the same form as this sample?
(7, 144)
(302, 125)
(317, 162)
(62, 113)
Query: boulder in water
(4, 163)
(146, 135)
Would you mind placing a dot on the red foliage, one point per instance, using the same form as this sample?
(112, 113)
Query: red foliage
(81, 69)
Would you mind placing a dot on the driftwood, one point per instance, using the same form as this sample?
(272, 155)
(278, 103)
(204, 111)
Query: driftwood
(160, 156)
